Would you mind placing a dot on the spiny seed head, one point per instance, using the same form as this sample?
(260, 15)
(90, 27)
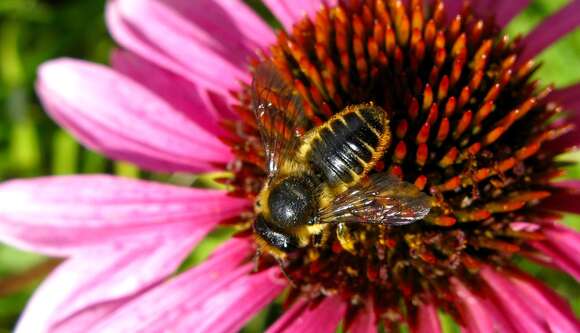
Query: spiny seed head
(469, 128)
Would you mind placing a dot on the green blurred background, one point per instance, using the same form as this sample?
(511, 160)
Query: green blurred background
(33, 31)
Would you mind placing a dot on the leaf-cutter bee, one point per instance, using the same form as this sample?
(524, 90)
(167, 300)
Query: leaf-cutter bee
(321, 178)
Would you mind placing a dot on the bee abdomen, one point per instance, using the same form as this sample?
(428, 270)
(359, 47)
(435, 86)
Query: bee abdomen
(346, 147)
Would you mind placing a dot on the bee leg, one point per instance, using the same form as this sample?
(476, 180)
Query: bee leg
(345, 237)
(283, 264)
(256, 259)
(320, 239)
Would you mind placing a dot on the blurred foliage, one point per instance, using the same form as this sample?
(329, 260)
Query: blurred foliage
(33, 31)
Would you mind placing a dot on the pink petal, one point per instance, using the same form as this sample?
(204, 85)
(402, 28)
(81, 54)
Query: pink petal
(557, 259)
(115, 115)
(132, 39)
(524, 226)
(546, 304)
(182, 95)
(322, 318)
(566, 199)
(236, 304)
(204, 107)
(229, 22)
(550, 30)
(289, 12)
(483, 8)
(522, 304)
(502, 320)
(200, 41)
(65, 215)
(566, 239)
(426, 320)
(289, 316)
(507, 10)
(472, 310)
(569, 97)
(562, 247)
(567, 142)
(503, 11)
(94, 283)
(365, 322)
(196, 297)
(509, 304)
(452, 7)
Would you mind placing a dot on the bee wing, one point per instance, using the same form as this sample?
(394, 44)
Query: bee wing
(378, 199)
(279, 112)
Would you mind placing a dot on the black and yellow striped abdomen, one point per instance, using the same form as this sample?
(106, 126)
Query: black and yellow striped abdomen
(348, 145)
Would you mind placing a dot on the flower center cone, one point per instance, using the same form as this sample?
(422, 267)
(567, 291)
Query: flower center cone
(469, 127)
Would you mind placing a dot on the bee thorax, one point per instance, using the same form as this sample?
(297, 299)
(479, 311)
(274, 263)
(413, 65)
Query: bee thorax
(292, 201)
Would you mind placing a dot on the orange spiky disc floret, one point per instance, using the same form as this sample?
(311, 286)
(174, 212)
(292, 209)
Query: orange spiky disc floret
(469, 127)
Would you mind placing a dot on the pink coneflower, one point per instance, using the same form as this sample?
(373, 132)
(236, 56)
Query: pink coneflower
(470, 128)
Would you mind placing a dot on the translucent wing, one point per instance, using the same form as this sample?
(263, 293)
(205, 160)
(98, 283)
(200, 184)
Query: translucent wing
(279, 113)
(378, 199)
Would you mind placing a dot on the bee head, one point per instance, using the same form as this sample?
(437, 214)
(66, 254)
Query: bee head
(280, 240)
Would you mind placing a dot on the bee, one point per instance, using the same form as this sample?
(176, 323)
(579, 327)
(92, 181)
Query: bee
(321, 177)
